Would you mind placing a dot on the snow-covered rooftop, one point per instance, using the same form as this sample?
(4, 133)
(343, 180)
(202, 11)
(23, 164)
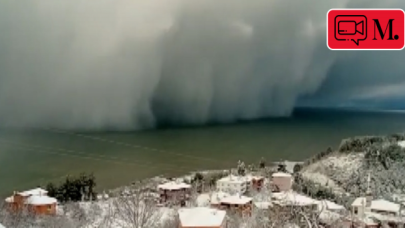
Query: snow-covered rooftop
(173, 186)
(379, 205)
(359, 201)
(40, 200)
(293, 198)
(1, 226)
(280, 174)
(384, 205)
(236, 199)
(387, 218)
(216, 197)
(34, 192)
(201, 217)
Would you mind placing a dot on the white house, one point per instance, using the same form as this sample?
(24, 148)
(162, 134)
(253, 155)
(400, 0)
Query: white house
(202, 217)
(282, 181)
(233, 184)
(172, 186)
(383, 207)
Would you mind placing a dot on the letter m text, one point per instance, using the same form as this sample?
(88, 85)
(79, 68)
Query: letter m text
(377, 28)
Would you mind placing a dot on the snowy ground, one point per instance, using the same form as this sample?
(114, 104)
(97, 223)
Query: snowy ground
(103, 214)
(338, 164)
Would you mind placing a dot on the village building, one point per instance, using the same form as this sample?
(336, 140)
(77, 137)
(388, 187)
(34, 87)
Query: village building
(256, 182)
(381, 210)
(233, 184)
(285, 202)
(36, 201)
(372, 212)
(237, 203)
(240, 184)
(281, 182)
(202, 217)
(216, 197)
(174, 192)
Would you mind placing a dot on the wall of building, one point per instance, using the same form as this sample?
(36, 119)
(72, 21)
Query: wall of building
(243, 209)
(360, 211)
(175, 196)
(282, 183)
(43, 209)
(232, 187)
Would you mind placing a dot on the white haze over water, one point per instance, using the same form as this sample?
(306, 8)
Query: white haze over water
(127, 64)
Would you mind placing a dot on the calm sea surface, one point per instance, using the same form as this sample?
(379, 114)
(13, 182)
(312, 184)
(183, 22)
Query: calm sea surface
(34, 157)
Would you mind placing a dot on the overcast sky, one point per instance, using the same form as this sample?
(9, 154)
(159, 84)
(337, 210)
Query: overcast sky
(129, 63)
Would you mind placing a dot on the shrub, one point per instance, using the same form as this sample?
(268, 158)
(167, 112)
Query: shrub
(74, 188)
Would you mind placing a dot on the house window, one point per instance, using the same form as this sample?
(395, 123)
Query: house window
(356, 210)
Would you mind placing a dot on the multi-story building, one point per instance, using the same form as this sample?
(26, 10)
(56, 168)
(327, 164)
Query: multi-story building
(237, 203)
(174, 192)
(202, 217)
(36, 201)
(233, 184)
(282, 182)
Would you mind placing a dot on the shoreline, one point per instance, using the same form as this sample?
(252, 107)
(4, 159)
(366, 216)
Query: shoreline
(189, 176)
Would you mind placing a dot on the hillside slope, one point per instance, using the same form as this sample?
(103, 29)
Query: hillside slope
(346, 169)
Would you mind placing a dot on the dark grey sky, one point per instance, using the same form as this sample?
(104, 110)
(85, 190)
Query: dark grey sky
(128, 63)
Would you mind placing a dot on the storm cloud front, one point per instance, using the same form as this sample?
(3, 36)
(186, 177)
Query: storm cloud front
(130, 64)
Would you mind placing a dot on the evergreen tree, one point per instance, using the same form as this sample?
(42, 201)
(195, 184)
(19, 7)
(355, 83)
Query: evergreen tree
(74, 188)
(297, 168)
(262, 163)
(241, 168)
(282, 168)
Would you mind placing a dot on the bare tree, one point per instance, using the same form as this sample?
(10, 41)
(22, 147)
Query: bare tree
(20, 218)
(137, 211)
(192, 200)
(55, 222)
(172, 222)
